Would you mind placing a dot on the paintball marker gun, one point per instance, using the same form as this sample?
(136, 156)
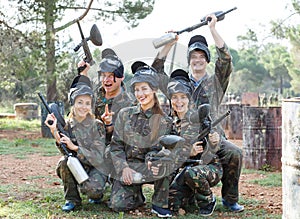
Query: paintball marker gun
(206, 126)
(73, 163)
(203, 117)
(96, 39)
(169, 37)
(169, 158)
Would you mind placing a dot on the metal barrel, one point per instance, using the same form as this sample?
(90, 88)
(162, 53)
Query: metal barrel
(262, 137)
(233, 125)
(291, 158)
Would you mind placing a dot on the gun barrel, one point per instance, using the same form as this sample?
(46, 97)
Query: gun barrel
(220, 118)
(204, 22)
(44, 102)
(206, 131)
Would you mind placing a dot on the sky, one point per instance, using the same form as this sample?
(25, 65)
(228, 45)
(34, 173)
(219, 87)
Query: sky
(178, 15)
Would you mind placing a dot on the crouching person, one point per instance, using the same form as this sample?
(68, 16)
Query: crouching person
(136, 134)
(84, 138)
(203, 170)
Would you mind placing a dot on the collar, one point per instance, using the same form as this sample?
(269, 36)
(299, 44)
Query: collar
(195, 82)
(138, 110)
(86, 122)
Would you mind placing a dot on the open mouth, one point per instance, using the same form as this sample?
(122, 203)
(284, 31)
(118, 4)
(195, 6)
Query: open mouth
(107, 85)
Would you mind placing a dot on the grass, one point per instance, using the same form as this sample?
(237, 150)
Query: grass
(267, 179)
(37, 201)
(22, 147)
(18, 124)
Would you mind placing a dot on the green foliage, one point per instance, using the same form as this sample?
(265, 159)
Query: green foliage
(286, 28)
(264, 69)
(130, 11)
(29, 55)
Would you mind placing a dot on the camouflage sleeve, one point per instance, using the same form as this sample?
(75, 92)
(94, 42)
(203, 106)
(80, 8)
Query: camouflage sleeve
(158, 64)
(92, 146)
(117, 145)
(223, 66)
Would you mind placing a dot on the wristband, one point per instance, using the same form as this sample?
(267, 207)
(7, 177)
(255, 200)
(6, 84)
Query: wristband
(108, 125)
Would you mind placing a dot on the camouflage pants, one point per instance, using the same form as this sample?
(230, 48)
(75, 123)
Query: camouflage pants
(128, 197)
(231, 157)
(93, 187)
(195, 182)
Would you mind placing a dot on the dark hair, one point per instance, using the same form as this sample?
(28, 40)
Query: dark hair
(156, 109)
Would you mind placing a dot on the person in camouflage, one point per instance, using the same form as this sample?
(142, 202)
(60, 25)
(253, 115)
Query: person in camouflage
(110, 95)
(211, 89)
(84, 137)
(194, 180)
(135, 136)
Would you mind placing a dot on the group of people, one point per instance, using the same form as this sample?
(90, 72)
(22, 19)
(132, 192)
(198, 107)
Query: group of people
(113, 130)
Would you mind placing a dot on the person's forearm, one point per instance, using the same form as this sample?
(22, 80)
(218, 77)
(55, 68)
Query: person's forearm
(217, 38)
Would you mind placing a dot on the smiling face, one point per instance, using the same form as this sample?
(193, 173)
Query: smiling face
(198, 61)
(180, 103)
(82, 106)
(111, 87)
(144, 94)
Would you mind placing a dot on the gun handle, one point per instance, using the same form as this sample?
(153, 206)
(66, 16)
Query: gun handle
(80, 69)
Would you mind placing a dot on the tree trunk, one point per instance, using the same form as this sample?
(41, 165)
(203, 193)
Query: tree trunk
(50, 51)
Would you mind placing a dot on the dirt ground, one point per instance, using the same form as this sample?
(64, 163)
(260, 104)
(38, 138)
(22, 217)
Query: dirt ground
(22, 171)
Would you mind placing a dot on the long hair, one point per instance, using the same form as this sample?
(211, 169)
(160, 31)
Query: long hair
(157, 115)
(73, 115)
(156, 109)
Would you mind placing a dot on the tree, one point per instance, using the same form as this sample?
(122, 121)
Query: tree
(42, 16)
(249, 73)
(286, 29)
(277, 60)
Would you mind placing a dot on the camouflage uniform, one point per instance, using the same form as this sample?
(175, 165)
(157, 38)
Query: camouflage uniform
(135, 135)
(115, 104)
(194, 181)
(89, 136)
(211, 89)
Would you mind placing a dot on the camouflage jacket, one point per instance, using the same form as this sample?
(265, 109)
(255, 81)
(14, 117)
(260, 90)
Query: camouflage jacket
(89, 135)
(115, 104)
(211, 89)
(135, 134)
(189, 131)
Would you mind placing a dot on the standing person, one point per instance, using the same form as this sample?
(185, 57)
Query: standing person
(110, 94)
(135, 136)
(193, 181)
(211, 89)
(86, 140)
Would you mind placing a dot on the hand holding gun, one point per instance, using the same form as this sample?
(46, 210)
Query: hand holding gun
(96, 39)
(56, 122)
(169, 37)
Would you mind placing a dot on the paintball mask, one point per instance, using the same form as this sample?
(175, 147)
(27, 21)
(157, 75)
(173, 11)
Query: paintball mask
(81, 85)
(144, 73)
(198, 42)
(179, 83)
(112, 63)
